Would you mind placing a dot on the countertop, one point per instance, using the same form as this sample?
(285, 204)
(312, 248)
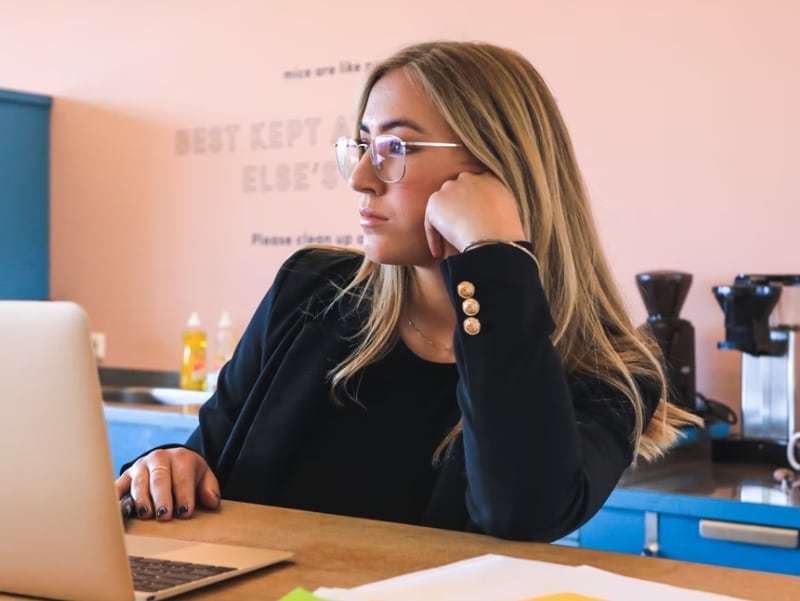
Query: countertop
(688, 482)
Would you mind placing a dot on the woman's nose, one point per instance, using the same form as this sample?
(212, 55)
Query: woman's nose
(363, 179)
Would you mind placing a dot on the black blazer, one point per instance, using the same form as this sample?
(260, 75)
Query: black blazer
(540, 452)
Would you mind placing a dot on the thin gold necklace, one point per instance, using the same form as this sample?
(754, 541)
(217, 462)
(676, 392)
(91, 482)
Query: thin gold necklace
(433, 343)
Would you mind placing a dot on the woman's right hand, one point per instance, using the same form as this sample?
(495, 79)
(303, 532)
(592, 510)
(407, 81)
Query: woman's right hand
(168, 482)
(473, 206)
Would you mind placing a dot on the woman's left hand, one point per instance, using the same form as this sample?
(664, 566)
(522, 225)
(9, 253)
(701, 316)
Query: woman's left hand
(468, 208)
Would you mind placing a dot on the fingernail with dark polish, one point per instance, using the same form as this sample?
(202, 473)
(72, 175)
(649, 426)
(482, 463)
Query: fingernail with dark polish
(162, 511)
(142, 511)
(183, 509)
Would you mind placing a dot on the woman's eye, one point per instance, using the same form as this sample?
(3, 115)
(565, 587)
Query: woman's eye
(395, 148)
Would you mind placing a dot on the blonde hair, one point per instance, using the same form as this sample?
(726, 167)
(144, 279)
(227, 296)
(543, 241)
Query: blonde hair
(505, 116)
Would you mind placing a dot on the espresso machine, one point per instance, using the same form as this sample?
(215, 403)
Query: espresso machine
(663, 293)
(762, 323)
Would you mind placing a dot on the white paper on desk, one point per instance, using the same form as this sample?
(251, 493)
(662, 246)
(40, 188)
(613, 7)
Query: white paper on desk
(501, 578)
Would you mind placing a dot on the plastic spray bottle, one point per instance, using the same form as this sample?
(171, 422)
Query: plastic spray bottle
(193, 360)
(223, 350)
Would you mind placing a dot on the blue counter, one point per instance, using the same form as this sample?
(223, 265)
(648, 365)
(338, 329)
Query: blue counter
(692, 509)
(134, 430)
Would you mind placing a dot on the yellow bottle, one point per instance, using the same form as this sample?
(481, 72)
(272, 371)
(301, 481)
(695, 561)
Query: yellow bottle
(193, 361)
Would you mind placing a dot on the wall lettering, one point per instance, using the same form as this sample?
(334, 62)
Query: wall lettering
(344, 67)
(282, 177)
(281, 134)
(262, 239)
(206, 140)
(261, 177)
(279, 155)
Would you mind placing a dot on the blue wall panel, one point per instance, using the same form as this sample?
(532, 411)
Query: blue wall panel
(24, 195)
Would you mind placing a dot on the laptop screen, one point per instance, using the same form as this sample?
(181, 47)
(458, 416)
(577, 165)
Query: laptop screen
(59, 515)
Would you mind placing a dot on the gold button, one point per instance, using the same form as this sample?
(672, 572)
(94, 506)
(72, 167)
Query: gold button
(470, 306)
(466, 289)
(472, 326)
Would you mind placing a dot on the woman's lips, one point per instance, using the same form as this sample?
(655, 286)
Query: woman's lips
(370, 218)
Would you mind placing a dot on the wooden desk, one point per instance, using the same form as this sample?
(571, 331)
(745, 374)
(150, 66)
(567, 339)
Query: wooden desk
(343, 552)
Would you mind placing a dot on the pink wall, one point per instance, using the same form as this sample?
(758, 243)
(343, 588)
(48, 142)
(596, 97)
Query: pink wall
(683, 113)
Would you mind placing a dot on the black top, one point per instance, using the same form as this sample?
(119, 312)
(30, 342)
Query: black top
(374, 459)
(540, 451)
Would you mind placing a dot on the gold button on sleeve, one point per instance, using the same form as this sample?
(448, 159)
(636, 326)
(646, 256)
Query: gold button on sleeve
(466, 289)
(472, 326)
(470, 306)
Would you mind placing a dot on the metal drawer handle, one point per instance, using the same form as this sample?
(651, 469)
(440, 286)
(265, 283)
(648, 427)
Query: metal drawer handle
(651, 548)
(770, 536)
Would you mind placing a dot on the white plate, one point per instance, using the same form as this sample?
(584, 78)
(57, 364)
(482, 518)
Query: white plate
(178, 396)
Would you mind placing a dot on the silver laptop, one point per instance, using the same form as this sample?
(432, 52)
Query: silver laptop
(61, 530)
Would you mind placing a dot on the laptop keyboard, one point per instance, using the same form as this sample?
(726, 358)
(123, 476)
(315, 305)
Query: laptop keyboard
(151, 575)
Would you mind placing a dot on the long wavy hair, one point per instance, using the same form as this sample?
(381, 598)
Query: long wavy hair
(504, 114)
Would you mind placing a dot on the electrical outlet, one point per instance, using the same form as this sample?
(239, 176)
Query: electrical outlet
(99, 345)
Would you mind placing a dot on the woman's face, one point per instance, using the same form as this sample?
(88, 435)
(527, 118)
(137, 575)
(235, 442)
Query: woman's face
(392, 215)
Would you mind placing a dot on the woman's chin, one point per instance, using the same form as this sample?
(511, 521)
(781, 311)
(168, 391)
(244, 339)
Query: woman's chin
(377, 250)
(383, 256)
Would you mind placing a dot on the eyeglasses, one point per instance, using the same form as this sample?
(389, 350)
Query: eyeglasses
(387, 153)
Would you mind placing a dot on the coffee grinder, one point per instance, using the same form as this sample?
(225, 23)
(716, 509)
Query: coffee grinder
(761, 322)
(663, 293)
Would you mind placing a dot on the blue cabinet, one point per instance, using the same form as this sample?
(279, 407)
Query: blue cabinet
(732, 544)
(614, 529)
(726, 515)
(24, 195)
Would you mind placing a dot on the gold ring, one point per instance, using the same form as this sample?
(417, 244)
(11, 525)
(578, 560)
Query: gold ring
(159, 467)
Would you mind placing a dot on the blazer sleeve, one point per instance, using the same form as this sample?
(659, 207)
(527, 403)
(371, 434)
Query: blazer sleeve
(542, 451)
(224, 418)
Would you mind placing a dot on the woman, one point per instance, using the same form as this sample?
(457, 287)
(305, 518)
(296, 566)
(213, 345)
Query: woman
(474, 369)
